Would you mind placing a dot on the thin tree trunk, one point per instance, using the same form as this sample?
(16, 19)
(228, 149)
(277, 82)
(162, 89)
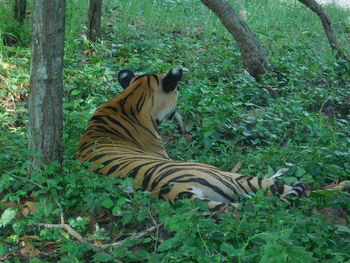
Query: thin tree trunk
(46, 82)
(327, 25)
(253, 55)
(19, 10)
(94, 21)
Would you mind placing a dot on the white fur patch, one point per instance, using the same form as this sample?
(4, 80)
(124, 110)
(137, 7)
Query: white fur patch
(197, 192)
(123, 75)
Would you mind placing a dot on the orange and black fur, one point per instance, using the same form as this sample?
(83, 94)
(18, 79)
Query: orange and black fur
(123, 139)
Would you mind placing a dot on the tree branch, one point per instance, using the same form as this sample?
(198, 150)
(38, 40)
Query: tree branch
(327, 25)
(254, 58)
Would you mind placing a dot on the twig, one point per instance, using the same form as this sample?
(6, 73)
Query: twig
(61, 210)
(270, 88)
(150, 215)
(179, 119)
(72, 232)
(13, 101)
(24, 179)
(66, 227)
(135, 236)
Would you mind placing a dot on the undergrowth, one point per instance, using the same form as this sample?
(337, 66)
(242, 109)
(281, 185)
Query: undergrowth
(303, 126)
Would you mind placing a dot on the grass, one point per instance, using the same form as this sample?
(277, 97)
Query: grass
(304, 127)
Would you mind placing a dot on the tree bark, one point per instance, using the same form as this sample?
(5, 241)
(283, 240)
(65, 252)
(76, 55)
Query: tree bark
(253, 56)
(94, 20)
(327, 25)
(46, 82)
(19, 10)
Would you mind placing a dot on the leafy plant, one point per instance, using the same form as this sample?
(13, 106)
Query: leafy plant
(303, 127)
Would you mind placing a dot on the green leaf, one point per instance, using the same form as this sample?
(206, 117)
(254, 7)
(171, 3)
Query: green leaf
(290, 179)
(166, 245)
(230, 250)
(101, 258)
(35, 260)
(321, 194)
(107, 203)
(75, 92)
(3, 250)
(127, 218)
(279, 248)
(269, 171)
(343, 229)
(95, 60)
(300, 172)
(147, 240)
(7, 216)
(141, 216)
(116, 211)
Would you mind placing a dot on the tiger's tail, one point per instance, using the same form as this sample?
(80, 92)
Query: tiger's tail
(297, 190)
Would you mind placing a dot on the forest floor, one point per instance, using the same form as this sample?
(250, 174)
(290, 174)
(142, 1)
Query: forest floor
(300, 124)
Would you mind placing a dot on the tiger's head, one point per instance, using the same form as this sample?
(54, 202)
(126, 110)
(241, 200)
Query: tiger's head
(154, 94)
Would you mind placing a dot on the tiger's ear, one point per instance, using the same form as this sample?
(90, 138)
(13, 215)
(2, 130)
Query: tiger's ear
(124, 77)
(171, 79)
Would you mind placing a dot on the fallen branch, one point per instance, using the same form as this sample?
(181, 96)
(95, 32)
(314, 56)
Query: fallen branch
(137, 235)
(73, 233)
(67, 228)
(270, 88)
(134, 236)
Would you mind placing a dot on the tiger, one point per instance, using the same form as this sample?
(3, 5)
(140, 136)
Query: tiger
(122, 139)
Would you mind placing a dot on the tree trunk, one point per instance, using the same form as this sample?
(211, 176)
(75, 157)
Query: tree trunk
(94, 22)
(19, 10)
(253, 56)
(46, 82)
(327, 25)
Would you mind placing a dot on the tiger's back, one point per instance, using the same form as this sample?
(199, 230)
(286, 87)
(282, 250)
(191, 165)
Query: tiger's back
(125, 120)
